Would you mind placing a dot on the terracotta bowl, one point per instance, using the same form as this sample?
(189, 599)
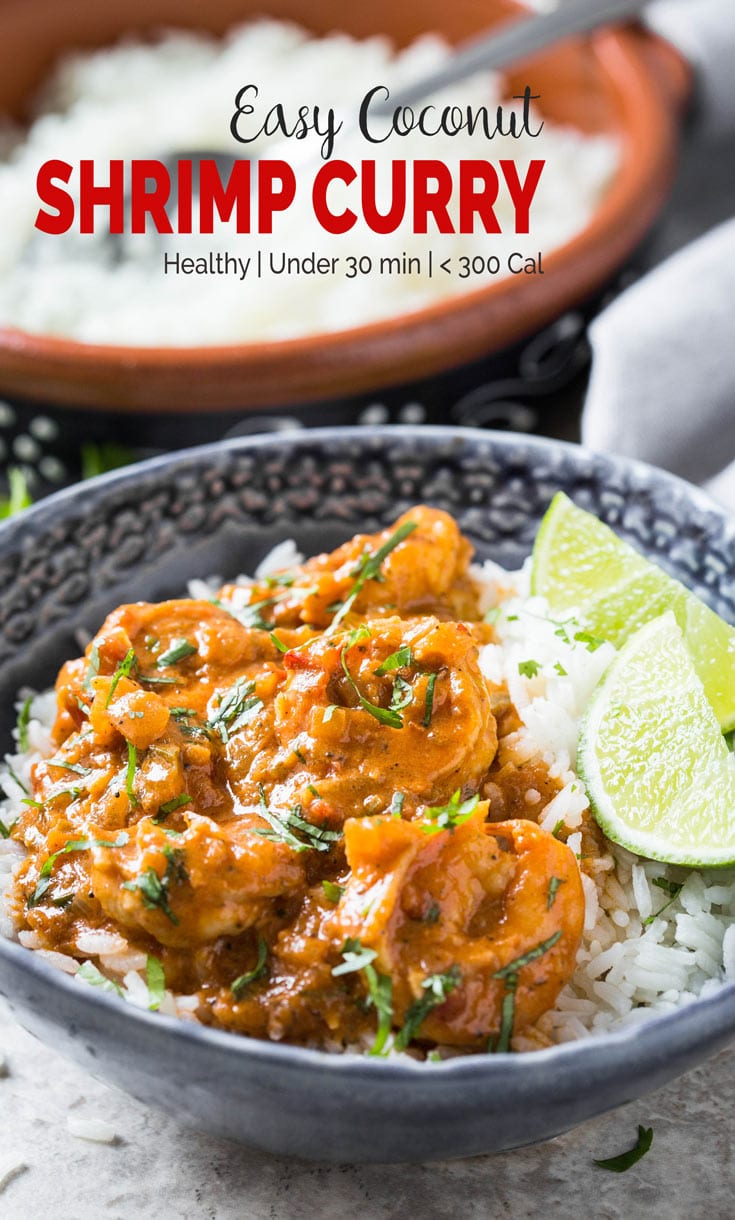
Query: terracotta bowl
(625, 83)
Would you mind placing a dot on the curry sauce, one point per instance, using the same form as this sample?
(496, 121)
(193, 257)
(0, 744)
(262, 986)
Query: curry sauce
(292, 797)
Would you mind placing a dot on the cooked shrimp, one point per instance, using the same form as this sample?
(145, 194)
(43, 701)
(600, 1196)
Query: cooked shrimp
(464, 904)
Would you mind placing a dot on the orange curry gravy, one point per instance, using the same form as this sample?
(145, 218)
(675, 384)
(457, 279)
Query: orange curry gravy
(292, 798)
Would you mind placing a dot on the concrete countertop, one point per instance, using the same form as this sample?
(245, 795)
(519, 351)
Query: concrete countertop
(154, 1168)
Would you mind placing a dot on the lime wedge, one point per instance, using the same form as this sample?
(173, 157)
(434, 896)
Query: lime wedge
(579, 563)
(660, 778)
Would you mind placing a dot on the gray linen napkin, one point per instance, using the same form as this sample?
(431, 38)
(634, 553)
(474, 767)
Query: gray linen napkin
(662, 386)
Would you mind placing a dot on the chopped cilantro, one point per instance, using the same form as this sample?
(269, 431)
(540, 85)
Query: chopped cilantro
(528, 669)
(154, 890)
(401, 695)
(333, 891)
(369, 569)
(278, 643)
(592, 642)
(437, 988)
(519, 962)
(250, 616)
(672, 888)
(24, 716)
(355, 957)
(401, 659)
(156, 980)
(447, 817)
(89, 973)
(177, 651)
(509, 975)
(237, 706)
(5, 830)
(429, 701)
(122, 671)
(396, 805)
(286, 828)
(387, 716)
(44, 876)
(554, 884)
(130, 773)
(171, 806)
(559, 826)
(619, 1164)
(560, 669)
(251, 976)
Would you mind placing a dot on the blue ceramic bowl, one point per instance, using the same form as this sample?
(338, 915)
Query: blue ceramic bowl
(141, 533)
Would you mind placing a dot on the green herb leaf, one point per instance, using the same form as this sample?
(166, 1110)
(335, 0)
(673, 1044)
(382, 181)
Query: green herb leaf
(558, 827)
(528, 669)
(593, 642)
(98, 459)
(386, 716)
(250, 616)
(259, 969)
(5, 830)
(447, 817)
(355, 957)
(554, 884)
(519, 962)
(333, 891)
(178, 651)
(15, 777)
(170, 807)
(19, 496)
(122, 671)
(507, 1017)
(429, 701)
(401, 659)
(369, 569)
(619, 1164)
(560, 669)
(380, 996)
(278, 643)
(673, 888)
(284, 828)
(237, 707)
(24, 716)
(396, 805)
(67, 766)
(401, 696)
(89, 973)
(93, 668)
(44, 876)
(156, 980)
(130, 773)
(437, 988)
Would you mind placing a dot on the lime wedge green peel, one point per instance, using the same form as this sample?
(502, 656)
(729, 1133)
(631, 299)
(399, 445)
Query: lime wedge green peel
(660, 778)
(579, 563)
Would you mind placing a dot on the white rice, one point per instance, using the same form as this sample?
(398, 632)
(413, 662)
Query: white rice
(139, 100)
(642, 952)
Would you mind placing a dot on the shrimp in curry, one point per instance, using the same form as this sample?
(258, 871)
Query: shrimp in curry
(292, 798)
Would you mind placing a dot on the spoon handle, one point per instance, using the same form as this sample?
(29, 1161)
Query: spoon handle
(515, 40)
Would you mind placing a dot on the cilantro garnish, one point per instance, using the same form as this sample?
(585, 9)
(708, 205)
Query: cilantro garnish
(123, 671)
(592, 642)
(5, 830)
(447, 817)
(619, 1164)
(67, 766)
(178, 651)
(672, 888)
(437, 988)
(171, 807)
(355, 957)
(286, 828)
(560, 669)
(19, 497)
(509, 975)
(528, 669)
(44, 876)
(396, 805)
(278, 643)
(401, 659)
(250, 616)
(387, 716)
(429, 701)
(259, 969)
(333, 891)
(24, 716)
(89, 973)
(93, 668)
(237, 706)
(380, 988)
(369, 569)
(401, 695)
(130, 773)
(156, 980)
(554, 884)
(154, 890)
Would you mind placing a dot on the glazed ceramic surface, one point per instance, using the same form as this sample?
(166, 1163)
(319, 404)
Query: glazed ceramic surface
(140, 534)
(621, 82)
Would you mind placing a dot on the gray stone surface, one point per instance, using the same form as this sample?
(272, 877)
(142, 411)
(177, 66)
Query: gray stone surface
(157, 1169)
